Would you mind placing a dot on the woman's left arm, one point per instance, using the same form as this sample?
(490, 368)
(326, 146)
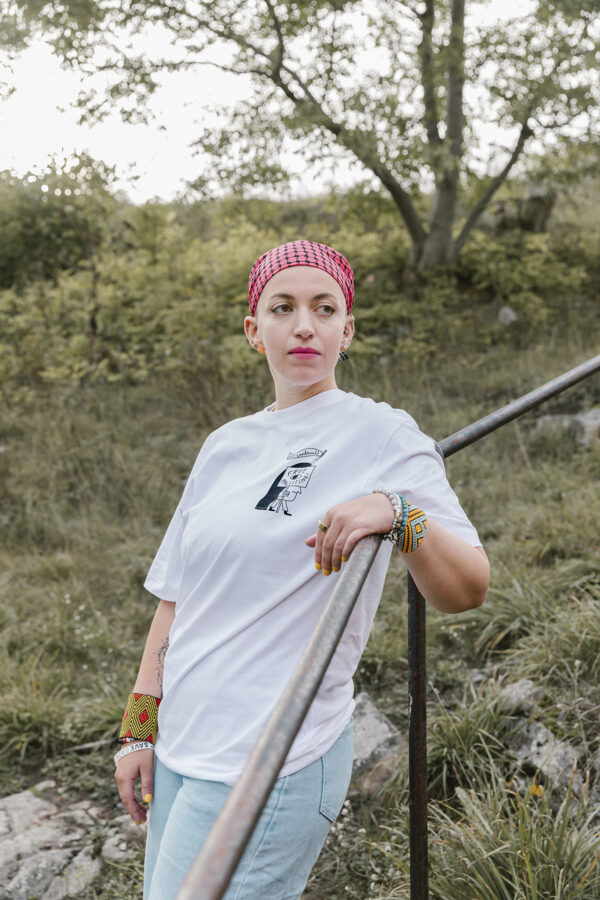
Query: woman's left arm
(451, 574)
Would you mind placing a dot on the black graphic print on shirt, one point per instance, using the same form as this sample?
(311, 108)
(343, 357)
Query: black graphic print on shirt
(291, 482)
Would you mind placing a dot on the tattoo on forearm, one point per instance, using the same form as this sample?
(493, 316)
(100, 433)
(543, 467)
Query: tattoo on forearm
(160, 663)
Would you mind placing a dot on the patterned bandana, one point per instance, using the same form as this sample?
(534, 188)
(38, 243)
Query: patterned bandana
(300, 253)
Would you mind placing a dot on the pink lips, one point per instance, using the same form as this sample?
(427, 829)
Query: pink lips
(304, 351)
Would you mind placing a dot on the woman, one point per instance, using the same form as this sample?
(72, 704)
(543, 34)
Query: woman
(240, 579)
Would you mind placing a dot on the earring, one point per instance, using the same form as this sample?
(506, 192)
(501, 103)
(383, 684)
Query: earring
(261, 350)
(343, 355)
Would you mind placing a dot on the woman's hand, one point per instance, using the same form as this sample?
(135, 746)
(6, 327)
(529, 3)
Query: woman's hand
(348, 523)
(138, 764)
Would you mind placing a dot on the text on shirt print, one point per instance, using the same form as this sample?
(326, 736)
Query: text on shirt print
(291, 481)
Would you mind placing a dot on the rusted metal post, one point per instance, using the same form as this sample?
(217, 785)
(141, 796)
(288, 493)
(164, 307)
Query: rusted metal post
(417, 743)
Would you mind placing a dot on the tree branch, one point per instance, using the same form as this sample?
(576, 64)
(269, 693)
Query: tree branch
(278, 60)
(493, 186)
(427, 74)
(361, 147)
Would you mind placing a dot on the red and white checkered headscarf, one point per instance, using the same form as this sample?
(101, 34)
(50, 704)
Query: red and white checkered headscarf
(300, 253)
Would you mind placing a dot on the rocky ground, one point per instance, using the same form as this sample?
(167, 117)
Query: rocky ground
(53, 848)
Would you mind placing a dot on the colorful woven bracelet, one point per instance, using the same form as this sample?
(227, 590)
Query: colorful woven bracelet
(414, 531)
(410, 522)
(140, 722)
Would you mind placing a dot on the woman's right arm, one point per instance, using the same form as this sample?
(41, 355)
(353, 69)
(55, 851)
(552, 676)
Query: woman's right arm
(149, 681)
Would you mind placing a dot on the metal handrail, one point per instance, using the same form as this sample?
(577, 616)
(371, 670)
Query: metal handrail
(217, 860)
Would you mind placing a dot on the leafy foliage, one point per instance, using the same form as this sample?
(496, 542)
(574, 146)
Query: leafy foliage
(52, 220)
(134, 292)
(400, 91)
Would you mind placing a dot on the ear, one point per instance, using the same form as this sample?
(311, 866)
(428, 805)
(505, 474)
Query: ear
(251, 329)
(348, 331)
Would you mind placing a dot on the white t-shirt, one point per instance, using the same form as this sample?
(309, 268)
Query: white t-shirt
(246, 589)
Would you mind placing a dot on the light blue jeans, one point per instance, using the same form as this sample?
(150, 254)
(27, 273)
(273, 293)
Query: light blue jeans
(286, 841)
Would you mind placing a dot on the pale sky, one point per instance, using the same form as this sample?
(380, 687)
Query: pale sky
(38, 120)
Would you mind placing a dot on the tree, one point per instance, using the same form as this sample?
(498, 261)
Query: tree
(402, 89)
(53, 219)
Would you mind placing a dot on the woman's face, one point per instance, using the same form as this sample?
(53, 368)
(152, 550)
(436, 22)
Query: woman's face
(301, 322)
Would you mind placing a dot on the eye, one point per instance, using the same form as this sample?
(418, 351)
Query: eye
(281, 308)
(327, 309)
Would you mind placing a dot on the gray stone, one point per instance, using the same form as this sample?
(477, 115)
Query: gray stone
(4, 823)
(590, 422)
(585, 426)
(25, 809)
(595, 764)
(126, 827)
(22, 844)
(536, 749)
(34, 875)
(374, 734)
(77, 876)
(115, 849)
(42, 786)
(520, 696)
(507, 316)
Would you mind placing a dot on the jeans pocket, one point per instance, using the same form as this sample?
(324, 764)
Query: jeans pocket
(336, 770)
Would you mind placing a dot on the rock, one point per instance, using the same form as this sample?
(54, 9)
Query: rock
(374, 734)
(42, 786)
(77, 876)
(25, 809)
(585, 426)
(41, 842)
(115, 849)
(21, 844)
(590, 422)
(536, 749)
(34, 875)
(507, 316)
(126, 827)
(477, 676)
(374, 779)
(520, 696)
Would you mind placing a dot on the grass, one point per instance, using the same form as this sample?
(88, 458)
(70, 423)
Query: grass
(88, 479)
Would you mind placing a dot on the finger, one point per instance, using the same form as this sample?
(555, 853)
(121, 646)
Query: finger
(351, 540)
(125, 783)
(147, 778)
(320, 537)
(337, 551)
(311, 541)
(327, 550)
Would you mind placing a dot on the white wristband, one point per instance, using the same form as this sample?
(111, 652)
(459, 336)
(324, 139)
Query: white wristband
(129, 748)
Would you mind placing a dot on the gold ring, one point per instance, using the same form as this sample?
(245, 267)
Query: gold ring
(322, 526)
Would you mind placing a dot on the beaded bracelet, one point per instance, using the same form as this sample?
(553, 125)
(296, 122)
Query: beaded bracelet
(410, 522)
(140, 721)
(130, 748)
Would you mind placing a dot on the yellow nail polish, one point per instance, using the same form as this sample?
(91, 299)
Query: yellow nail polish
(147, 798)
(335, 570)
(317, 567)
(344, 559)
(326, 572)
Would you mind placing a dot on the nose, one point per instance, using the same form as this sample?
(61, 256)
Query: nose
(303, 325)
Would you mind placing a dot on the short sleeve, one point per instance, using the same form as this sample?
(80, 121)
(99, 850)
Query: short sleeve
(164, 576)
(410, 464)
(165, 573)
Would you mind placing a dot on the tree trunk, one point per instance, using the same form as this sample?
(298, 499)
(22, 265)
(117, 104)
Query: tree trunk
(437, 246)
